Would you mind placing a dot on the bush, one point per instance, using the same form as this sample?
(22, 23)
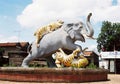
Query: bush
(91, 66)
(37, 65)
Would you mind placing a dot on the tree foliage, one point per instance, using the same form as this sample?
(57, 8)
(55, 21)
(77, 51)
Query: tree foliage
(109, 38)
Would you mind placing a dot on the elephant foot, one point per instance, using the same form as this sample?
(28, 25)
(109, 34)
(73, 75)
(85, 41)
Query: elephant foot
(24, 65)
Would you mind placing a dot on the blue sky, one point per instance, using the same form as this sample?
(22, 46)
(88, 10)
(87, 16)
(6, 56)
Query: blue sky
(9, 9)
(20, 18)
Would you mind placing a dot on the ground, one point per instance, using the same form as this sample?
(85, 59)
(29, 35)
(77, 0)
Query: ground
(112, 79)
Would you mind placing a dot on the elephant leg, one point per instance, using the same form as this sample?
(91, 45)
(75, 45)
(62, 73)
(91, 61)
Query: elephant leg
(51, 62)
(27, 60)
(70, 45)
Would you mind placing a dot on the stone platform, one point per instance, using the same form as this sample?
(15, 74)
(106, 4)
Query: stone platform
(65, 75)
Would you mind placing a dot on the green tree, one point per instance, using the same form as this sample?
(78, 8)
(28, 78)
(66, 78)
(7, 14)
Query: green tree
(109, 38)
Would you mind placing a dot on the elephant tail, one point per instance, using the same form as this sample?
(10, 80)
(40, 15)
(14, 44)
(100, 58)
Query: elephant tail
(29, 48)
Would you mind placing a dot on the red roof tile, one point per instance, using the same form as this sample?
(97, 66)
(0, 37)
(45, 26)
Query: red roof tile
(12, 44)
(88, 53)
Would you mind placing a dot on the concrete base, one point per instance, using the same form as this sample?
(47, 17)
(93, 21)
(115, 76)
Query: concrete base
(65, 75)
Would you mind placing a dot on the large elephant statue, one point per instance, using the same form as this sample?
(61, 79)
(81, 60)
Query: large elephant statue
(63, 37)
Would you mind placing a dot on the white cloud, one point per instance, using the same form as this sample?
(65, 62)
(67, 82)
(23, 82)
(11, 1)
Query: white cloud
(41, 12)
(118, 2)
(8, 39)
(90, 44)
(93, 48)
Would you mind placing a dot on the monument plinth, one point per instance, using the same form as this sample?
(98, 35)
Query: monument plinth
(65, 75)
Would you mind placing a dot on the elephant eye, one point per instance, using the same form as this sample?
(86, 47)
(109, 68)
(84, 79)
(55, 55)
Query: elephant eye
(81, 26)
(69, 25)
(76, 24)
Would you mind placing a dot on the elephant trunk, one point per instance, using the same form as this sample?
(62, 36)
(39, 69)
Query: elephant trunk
(91, 31)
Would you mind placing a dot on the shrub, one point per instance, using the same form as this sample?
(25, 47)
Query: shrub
(91, 66)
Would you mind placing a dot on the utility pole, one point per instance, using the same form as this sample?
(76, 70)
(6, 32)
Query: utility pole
(115, 58)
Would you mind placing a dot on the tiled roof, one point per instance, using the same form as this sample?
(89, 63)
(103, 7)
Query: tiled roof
(13, 44)
(88, 53)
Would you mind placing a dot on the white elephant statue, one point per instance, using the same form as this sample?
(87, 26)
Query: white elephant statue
(63, 37)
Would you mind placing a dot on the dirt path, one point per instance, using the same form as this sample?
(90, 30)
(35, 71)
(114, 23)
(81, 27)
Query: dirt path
(112, 79)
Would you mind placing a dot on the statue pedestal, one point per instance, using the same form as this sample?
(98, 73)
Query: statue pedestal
(65, 75)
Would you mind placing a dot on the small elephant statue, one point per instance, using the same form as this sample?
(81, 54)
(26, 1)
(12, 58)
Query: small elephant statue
(63, 37)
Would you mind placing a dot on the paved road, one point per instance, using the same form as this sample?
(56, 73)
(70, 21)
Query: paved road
(112, 79)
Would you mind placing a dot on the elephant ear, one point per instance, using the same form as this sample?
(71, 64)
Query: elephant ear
(72, 34)
(68, 27)
(69, 30)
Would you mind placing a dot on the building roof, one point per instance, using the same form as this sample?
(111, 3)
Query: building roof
(110, 55)
(88, 53)
(22, 44)
(12, 44)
